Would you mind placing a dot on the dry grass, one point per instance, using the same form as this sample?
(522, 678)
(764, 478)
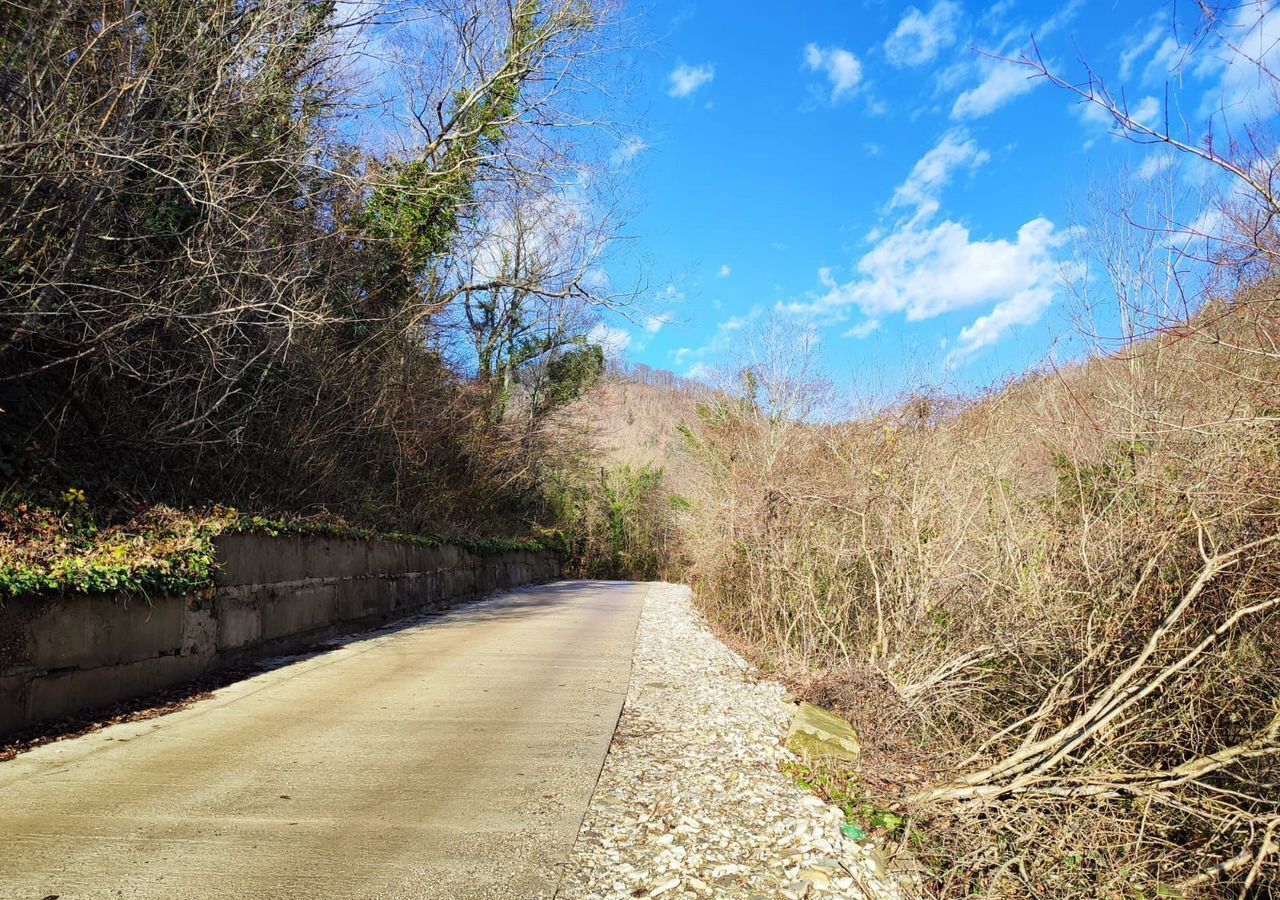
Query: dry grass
(1057, 605)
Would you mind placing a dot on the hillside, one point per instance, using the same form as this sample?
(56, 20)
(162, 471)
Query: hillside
(1052, 611)
(632, 416)
(225, 300)
(366, 271)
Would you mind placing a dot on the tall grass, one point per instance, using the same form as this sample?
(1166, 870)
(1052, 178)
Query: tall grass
(1054, 611)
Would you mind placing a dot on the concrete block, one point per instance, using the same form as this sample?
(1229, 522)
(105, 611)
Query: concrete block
(456, 583)
(199, 627)
(405, 590)
(818, 733)
(418, 558)
(13, 702)
(15, 633)
(89, 631)
(360, 598)
(299, 610)
(335, 558)
(272, 591)
(239, 619)
(65, 693)
(387, 558)
(260, 559)
(424, 559)
(421, 590)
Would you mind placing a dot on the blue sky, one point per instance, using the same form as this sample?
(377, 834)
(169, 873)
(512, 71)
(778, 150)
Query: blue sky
(859, 168)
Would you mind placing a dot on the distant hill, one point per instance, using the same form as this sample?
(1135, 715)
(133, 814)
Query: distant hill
(632, 415)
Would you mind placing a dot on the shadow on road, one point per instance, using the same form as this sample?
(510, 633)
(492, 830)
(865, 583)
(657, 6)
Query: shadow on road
(517, 603)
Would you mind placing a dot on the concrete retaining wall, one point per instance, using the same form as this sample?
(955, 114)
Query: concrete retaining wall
(68, 654)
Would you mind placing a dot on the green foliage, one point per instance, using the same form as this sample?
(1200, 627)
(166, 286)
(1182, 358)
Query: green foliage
(572, 374)
(616, 522)
(842, 787)
(627, 496)
(1091, 487)
(163, 552)
(679, 503)
(412, 216)
(303, 527)
(179, 574)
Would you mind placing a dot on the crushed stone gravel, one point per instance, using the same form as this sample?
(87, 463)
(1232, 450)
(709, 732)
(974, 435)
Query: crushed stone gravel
(692, 801)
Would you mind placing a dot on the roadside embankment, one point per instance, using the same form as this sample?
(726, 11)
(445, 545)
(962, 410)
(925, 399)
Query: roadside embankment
(695, 800)
(65, 653)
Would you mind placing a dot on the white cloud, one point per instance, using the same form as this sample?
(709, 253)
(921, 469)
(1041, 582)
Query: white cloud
(1135, 51)
(919, 36)
(932, 171)
(863, 329)
(654, 324)
(842, 68)
(596, 280)
(626, 152)
(685, 79)
(1146, 111)
(1001, 83)
(927, 271)
(949, 78)
(1023, 308)
(1098, 119)
(613, 341)
(1167, 61)
(724, 272)
(925, 265)
(1246, 86)
(1234, 62)
(923, 270)
(548, 232)
(1091, 113)
(1059, 19)
(725, 337)
(1209, 224)
(685, 354)
(1154, 165)
(670, 293)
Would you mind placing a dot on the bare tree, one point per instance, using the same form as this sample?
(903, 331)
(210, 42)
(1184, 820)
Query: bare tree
(205, 255)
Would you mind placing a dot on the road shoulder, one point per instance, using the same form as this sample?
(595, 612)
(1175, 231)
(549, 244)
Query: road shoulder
(692, 801)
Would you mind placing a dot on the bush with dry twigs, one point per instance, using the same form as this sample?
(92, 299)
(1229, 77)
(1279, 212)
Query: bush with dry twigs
(238, 239)
(1065, 629)
(1053, 610)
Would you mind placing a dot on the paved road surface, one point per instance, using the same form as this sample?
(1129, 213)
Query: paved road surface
(453, 758)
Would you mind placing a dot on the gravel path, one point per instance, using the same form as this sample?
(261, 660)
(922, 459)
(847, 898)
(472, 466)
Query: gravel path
(692, 802)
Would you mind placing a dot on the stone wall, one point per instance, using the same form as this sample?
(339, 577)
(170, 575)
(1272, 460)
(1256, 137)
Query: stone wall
(61, 655)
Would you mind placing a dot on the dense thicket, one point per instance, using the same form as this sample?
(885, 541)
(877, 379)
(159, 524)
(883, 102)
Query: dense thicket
(219, 281)
(1053, 612)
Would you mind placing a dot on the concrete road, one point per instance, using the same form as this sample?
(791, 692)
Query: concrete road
(451, 757)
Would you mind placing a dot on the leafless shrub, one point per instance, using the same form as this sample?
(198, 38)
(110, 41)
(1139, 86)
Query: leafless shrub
(216, 287)
(1071, 585)
(1079, 618)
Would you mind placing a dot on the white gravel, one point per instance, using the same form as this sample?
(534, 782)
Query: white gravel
(692, 801)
